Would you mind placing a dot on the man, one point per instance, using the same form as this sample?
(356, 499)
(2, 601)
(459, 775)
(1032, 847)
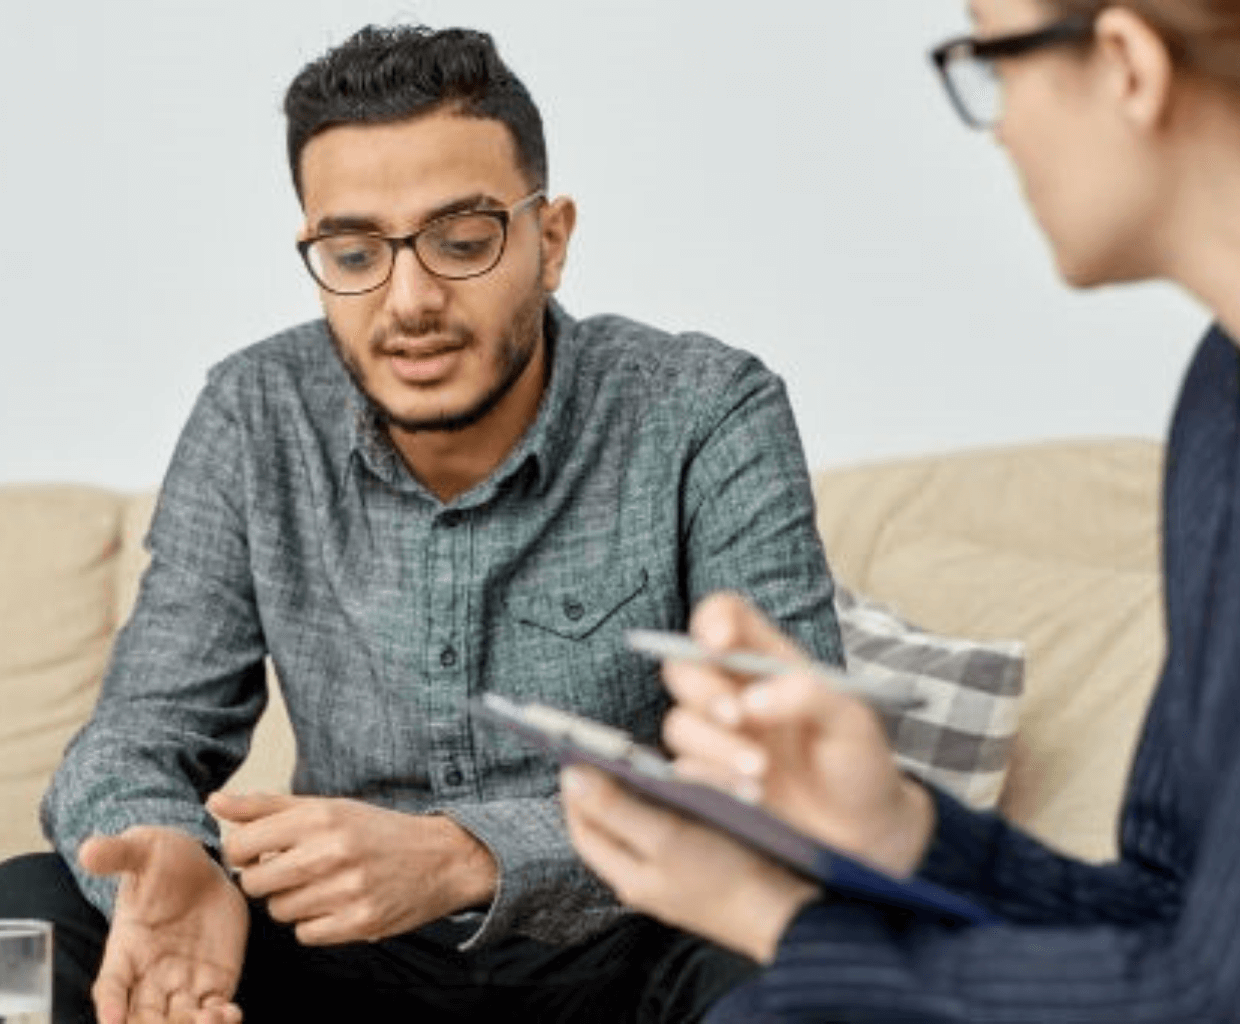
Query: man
(447, 487)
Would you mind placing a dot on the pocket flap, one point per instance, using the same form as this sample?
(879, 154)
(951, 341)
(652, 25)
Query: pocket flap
(576, 611)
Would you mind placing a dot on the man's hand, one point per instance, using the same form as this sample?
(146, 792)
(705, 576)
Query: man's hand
(177, 941)
(345, 871)
(816, 757)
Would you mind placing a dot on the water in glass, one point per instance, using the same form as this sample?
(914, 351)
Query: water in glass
(25, 972)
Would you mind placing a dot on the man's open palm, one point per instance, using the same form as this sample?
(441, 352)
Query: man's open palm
(177, 941)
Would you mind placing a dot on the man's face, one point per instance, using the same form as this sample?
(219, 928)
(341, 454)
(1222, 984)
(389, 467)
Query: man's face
(430, 353)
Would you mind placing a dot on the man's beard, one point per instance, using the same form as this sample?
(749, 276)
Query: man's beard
(516, 349)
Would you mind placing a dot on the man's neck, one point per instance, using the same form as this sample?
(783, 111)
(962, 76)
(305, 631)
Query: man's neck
(449, 463)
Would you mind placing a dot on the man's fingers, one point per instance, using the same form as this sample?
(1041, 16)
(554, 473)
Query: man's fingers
(218, 1010)
(282, 872)
(148, 1003)
(308, 902)
(113, 990)
(240, 808)
(111, 855)
(263, 825)
(111, 997)
(334, 929)
(182, 1008)
(727, 622)
(187, 1006)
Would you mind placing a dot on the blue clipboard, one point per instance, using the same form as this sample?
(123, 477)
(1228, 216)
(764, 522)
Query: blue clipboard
(572, 739)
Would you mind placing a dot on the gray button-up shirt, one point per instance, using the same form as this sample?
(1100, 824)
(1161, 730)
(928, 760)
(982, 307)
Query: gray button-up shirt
(659, 468)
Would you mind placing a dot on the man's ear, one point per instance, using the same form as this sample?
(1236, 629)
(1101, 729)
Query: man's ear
(558, 220)
(1138, 66)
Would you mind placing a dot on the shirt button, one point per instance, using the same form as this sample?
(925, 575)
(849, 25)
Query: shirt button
(573, 609)
(447, 657)
(453, 776)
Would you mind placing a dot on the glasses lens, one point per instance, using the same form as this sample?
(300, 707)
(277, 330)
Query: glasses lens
(463, 246)
(975, 85)
(350, 263)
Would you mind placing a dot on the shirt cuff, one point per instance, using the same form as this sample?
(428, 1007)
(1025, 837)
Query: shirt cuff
(100, 890)
(961, 851)
(543, 890)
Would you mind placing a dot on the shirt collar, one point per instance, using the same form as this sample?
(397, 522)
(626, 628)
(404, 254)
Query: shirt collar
(549, 436)
(368, 440)
(543, 446)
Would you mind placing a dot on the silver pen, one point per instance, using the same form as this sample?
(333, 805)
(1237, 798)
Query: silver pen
(895, 694)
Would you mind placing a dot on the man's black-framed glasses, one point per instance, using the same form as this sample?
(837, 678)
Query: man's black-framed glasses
(456, 246)
(967, 68)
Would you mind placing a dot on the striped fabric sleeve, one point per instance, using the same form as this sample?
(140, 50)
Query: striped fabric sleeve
(981, 855)
(1173, 958)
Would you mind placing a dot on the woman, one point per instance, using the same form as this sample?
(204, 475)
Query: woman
(1123, 121)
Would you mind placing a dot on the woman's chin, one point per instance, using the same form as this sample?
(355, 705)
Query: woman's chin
(1079, 272)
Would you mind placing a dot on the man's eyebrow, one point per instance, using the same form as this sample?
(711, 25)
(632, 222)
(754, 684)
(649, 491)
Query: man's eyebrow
(478, 201)
(337, 225)
(352, 222)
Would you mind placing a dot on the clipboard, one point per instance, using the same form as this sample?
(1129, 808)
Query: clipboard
(573, 739)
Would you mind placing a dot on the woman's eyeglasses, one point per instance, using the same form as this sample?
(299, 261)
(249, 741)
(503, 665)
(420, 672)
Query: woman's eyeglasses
(967, 65)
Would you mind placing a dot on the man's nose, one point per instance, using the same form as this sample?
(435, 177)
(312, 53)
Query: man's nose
(412, 289)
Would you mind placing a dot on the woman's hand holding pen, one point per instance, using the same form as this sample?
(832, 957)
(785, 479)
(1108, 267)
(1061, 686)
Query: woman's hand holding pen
(813, 756)
(817, 758)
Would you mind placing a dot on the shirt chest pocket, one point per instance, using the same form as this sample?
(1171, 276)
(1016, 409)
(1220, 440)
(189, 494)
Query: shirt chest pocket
(575, 611)
(568, 649)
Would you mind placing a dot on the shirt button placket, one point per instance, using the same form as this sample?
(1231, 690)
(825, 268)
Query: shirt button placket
(448, 687)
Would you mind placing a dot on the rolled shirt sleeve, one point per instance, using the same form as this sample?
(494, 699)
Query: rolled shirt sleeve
(185, 682)
(544, 891)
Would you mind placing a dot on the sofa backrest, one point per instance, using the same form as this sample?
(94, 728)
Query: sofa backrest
(1055, 545)
(70, 562)
(59, 550)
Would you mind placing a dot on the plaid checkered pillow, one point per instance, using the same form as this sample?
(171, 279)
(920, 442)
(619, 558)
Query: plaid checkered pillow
(961, 739)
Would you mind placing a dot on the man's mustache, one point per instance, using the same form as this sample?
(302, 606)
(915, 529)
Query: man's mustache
(415, 330)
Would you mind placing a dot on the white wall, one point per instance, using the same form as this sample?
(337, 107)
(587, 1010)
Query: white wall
(783, 174)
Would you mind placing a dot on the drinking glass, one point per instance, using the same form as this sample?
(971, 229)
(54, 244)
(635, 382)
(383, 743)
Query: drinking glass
(25, 972)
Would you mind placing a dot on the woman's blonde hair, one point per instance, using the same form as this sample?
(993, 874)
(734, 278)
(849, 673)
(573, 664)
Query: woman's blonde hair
(1202, 35)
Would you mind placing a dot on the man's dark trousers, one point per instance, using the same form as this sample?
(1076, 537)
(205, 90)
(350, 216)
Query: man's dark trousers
(638, 971)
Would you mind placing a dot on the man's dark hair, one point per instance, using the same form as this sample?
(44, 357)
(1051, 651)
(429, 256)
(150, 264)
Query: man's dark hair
(380, 75)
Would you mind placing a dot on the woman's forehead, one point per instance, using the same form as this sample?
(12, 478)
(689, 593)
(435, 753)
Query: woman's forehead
(998, 15)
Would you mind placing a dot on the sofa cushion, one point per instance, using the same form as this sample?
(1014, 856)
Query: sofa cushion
(961, 739)
(58, 550)
(1053, 544)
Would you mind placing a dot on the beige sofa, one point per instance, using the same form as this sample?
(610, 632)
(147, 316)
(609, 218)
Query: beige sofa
(1052, 544)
